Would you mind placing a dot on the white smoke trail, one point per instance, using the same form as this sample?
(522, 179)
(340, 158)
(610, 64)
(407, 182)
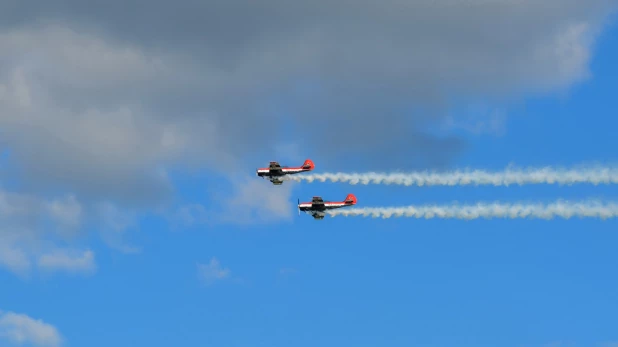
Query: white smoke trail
(563, 209)
(511, 176)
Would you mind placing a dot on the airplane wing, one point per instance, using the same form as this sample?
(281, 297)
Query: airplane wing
(274, 167)
(317, 202)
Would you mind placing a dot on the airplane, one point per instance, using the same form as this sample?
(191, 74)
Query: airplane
(317, 206)
(274, 171)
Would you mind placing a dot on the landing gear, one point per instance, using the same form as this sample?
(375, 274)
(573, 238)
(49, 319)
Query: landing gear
(318, 215)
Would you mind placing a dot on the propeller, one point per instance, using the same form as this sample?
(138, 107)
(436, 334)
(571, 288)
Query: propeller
(298, 206)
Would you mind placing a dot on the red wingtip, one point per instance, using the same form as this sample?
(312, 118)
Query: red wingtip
(308, 164)
(350, 199)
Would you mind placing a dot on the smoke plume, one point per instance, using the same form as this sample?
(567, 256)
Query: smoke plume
(510, 176)
(561, 209)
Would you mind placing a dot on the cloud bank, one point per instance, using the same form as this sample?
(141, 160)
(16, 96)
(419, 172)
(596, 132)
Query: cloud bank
(103, 103)
(119, 94)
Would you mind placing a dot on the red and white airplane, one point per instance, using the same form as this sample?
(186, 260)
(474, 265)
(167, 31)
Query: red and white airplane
(317, 207)
(274, 172)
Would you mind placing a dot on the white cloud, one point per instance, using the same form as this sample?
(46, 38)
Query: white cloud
(68, 260)
(66, 211)
(106, 114)
(14, 259)
(21, 329)
(31, 226)
(257, 201)
(570, 48)
(211, 272)
(190, 215)
(114, 223)
(79, 100)
(243, 201)
(477, 120)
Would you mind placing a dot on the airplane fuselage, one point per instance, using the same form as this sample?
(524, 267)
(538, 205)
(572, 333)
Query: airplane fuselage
(275, 172)
(318, 207)
(307, 206)
(279, 173)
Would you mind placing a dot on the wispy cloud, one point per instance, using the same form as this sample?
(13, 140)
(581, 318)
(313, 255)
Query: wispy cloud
(21, 329)
(30, 227)
(243, 201)
(486, 122)
(190, 215)
(68, 261)
(67, 211)
(15, 259)
(212, 272)
(114, 223)
(257, 201)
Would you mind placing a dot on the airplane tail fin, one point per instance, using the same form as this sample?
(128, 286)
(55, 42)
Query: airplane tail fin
(350, 199)
(308, 164)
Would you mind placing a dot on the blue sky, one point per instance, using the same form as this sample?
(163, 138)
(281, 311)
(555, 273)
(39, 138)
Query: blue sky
(225, 260)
